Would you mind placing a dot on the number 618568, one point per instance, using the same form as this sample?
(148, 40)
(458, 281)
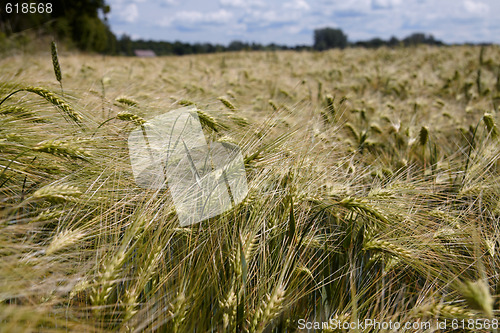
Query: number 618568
(28, 8)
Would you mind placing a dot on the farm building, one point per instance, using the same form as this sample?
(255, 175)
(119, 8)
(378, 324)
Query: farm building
(145, 53)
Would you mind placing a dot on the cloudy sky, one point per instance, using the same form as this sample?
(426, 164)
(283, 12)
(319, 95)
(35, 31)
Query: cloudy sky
(292, 22)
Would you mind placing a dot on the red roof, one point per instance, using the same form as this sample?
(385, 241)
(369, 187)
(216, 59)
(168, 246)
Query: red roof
(144, 53)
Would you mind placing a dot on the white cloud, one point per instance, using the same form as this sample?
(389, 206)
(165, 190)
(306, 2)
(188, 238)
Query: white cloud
(266, 17)
(236, 29)
(233, 3)
(121, 3)
(297, 5)
(272, 17)
(385, 3)
(330, 7)
(185, 17)
(242, 3)
(221, 15)
(129, 13)
(294, 29)
(169, 2)
(476, 7)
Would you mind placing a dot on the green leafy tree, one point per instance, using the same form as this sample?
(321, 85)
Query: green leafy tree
(420, 38)
(328, 38)
(77, 21)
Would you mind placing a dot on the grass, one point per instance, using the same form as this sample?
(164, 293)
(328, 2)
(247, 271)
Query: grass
(373, 191)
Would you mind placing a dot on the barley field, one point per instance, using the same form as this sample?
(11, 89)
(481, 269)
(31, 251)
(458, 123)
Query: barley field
(374, 192)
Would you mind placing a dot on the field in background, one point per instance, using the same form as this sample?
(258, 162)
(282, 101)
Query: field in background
(373, 191)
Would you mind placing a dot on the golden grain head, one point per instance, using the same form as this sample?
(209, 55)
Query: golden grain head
(127, 116)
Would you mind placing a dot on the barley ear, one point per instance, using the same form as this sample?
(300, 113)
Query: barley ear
(443, 311)
(126, 101)
(270, 307)
(127, 116)
(478, 296)
(186, 102)
(423, 136)
(54, 100)
(64, 239)
(273, 105)
(491, 127)
(57, 193)
(227, 103)
(207, 121)
(55, 64)
(62, 148)
(329, 100)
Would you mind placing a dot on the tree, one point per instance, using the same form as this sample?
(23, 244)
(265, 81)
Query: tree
(393, 41)
(237, 45)
(421, 38)
(328, 38)
(372, 43)
(125, 45)
(77, 21)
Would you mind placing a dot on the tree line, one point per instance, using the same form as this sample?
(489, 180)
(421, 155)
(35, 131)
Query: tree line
(83, 24)
(126, 46)
(324, 39)
(327, 38)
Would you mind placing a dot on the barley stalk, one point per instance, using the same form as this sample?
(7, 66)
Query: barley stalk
(444, 310)
(106, 279)
(269, 308)
(450, 220)
(185, 102)
(80, 286)
(107, 276)
(390, 248)
(145, 273)
(227, 139)
(127, 116)
(423, 136)
(47, 215)
(55, 100)
(273, 105)
(207, 120)
(228, 306)
(178, 311)
(62, 148)
(227, 103)
(55, 64)
(64, 239)
(491, 127)
(126, 101)
(329, 100)
(58, 193)
(362, 206)
(18, 112)
(249, 246)
(490, 246)
(240, 121)
(477, 294)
